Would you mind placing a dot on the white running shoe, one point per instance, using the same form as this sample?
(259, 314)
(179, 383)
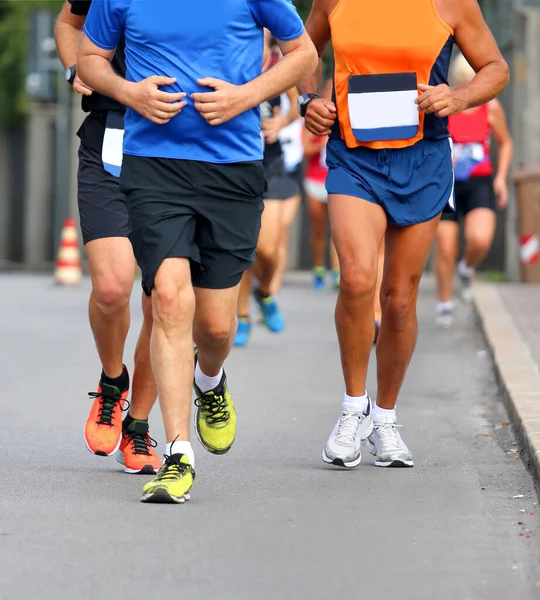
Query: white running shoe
(389, 449)
(466, 278)
(445, 314)
(343, 446)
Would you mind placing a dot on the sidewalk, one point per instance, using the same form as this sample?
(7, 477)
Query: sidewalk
(510, 317)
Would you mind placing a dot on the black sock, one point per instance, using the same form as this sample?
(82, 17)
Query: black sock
(128, 420)
(261, 295)
(121, 382)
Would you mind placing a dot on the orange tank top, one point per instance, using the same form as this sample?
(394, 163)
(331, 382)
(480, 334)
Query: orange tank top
(382, 50)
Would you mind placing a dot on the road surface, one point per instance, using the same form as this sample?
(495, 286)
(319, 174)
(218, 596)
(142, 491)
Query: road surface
(269, 520)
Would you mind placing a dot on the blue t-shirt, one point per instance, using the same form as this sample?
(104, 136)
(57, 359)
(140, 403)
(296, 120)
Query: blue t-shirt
(189, 40)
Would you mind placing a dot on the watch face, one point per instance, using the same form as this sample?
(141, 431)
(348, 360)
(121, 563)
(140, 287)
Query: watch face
(68, 74)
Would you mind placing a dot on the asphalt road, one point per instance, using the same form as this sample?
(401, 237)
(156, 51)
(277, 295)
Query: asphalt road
(269, 520)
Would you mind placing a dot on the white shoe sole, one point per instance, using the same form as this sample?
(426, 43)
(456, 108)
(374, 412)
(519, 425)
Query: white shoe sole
(101, 453)
(339, 462)
(163, 497)
(146, 470)
(444, 321)
(398, 463)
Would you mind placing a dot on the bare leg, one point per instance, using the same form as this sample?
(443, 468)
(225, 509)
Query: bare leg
(334, 260)
(289, 210)
(244, 295)
(318, 212)
(357, 251)
(171, 344)
(380, 269)
(268, 244)
(479, 232)
(407, 250)
(112, 269)
(214, 327)
(445, 258)
(143, 395)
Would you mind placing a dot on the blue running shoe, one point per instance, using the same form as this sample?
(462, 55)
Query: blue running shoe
(243, 332)
(319, 283)
(272, 316)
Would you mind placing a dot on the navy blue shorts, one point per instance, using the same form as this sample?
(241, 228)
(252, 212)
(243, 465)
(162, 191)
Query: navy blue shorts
(413, 185)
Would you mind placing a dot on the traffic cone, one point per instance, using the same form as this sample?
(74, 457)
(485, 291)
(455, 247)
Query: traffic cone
(68, 263)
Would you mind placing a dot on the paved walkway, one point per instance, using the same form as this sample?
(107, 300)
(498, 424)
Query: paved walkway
(269, 520)
(510, 317)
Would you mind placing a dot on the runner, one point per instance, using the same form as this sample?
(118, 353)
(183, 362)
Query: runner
(105, 227)
(390, 175)
(478, 194)
(194, 181)
(281, 187)
(317, 199)
(293, 158)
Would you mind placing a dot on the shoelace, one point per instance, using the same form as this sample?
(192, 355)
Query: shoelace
(214, 407)
(106, 409)
(348, 426)
(172, 470)
(390, 438)
(141, 443)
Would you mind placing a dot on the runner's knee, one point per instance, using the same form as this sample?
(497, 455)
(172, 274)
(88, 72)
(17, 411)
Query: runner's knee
(479, 240)
(111, 292)
(173, 302)
(218, 329)
(399, 305)
(358, 280)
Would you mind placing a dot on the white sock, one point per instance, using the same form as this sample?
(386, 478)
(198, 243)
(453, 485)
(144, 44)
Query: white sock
(383, 415)
(442, 306)
(178, 447)
(205, 383)
(464, 270)
(355, 403)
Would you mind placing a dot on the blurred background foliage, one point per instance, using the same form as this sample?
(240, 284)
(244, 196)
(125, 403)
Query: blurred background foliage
(14, 30)
(14, 36)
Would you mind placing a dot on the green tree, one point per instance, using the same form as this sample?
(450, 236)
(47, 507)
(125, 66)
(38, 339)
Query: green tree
(14, 38)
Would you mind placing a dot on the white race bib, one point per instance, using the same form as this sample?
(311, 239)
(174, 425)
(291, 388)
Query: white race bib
(113, 143)
(382, 107)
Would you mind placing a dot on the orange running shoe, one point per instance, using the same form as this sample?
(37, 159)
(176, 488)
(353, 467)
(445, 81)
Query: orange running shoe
(137, 452)
(103, 429)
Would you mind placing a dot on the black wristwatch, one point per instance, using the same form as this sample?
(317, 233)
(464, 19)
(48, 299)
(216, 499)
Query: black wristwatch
(303, 102)
(71, 72)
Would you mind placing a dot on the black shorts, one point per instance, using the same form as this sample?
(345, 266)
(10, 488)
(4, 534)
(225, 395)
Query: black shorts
(209, 213)
(477, 192)
(281, 185)
(102, 206)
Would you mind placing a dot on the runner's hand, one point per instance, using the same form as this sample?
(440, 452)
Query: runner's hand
(272, 127)
(149, 101)
(320, 116)
(80, 87)
(221, 105)
(501, 191)
(441, 100)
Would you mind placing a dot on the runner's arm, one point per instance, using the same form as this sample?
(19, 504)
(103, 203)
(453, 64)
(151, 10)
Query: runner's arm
(497, 120)
(318, 29)
(299, 62)
(479, 47)
(68, 34)
(104, 28)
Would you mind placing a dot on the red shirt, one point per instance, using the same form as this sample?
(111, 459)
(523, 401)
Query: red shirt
(471, 134)
(316, 169)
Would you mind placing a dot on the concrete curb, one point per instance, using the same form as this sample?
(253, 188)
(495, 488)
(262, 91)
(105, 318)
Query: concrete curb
(517, 373)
